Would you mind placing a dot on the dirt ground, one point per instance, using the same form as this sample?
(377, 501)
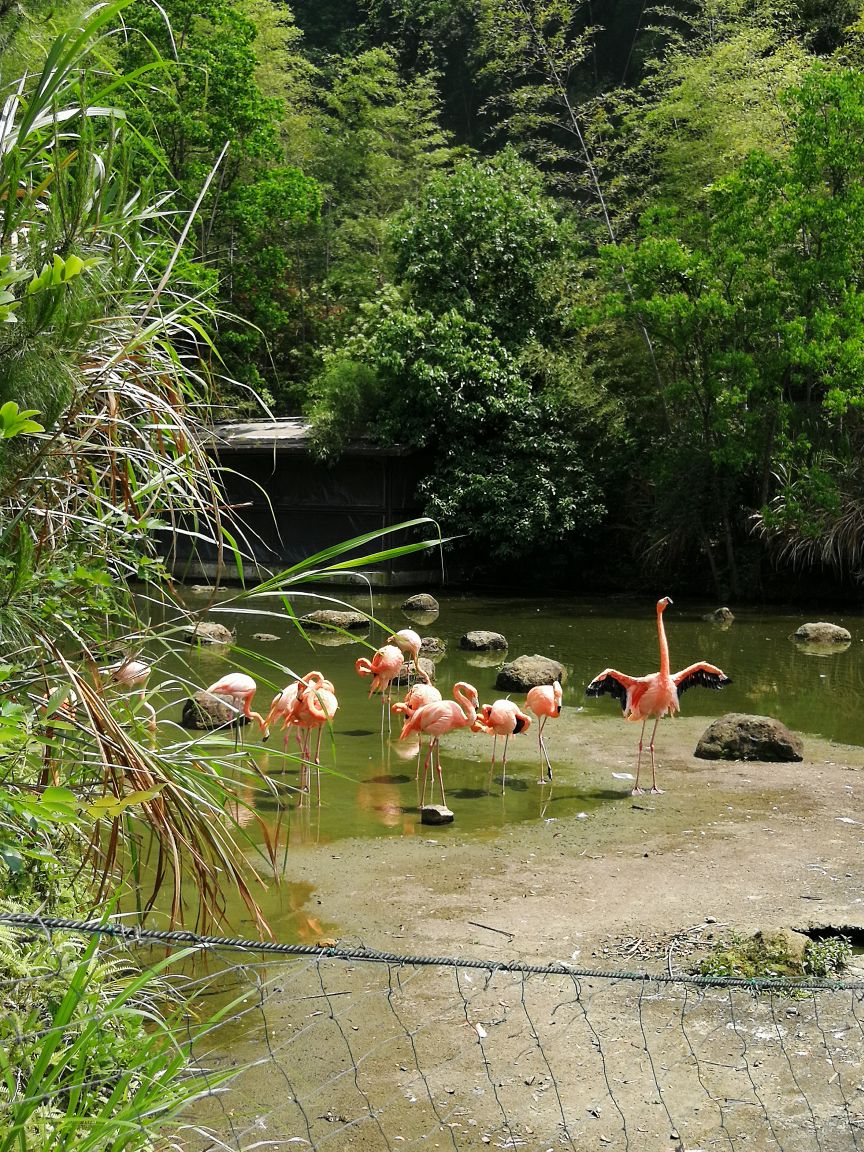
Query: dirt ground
(727, 847)
(361, 1057)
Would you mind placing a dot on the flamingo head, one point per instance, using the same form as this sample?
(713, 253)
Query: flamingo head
(663, 604)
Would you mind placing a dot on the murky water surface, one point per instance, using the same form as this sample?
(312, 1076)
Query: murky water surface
(368, 786)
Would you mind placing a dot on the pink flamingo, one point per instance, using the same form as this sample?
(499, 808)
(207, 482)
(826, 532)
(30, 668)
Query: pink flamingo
(436, 720)
(502, 718)
(416, 696)
(655, 695)
(544, 701)
(239, 686)
(384, 668)
(408, 642)
(316, 706)
(282, 708)
(134, 674)
(286, 703)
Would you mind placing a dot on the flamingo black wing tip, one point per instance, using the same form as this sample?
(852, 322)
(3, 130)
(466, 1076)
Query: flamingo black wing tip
(609, 685)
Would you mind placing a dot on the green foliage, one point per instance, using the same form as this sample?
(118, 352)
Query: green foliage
(88, 1061)
(453, 366)
(478, 241)
(769, 955)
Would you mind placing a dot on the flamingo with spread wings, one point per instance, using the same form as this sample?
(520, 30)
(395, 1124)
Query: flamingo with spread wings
(657, 694)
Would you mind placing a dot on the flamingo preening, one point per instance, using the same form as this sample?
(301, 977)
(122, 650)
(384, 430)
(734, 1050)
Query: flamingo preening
(501, 718)
(436, 720)
(655, 695)
(239, 686)
(384, 668)
(544, 701)
(316, 706)
(408, 642)
(133, 674)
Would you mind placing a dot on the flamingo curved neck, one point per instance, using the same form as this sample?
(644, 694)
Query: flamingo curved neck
(664, 644)
(464, 702)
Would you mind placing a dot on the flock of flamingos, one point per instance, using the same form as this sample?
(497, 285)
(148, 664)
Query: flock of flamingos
(309, 703)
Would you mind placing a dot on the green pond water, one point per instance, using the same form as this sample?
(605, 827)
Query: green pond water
(368, 786)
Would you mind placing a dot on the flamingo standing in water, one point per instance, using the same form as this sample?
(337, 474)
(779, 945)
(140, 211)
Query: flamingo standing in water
(239, 686)
(655, 695)
(544, 701)
(384, 668)
(134, 674)
(502, 718)
(416, 696)
(436, 720)
(316, 706)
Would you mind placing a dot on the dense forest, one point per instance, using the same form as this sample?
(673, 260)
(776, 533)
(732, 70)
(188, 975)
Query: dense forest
(600, 263)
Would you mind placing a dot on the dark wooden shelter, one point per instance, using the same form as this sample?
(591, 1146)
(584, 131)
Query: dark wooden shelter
(292, 505)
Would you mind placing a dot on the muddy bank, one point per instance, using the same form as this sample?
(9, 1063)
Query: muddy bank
(745, 845)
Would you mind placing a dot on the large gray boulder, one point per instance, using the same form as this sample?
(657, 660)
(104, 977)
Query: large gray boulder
(737, 736)
(204, 712)
(208, 632)
(481, 641)
(528, 672)
(326, 618)
(822, 633)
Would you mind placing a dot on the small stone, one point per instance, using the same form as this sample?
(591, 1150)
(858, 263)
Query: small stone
(435, 814)
(719, 616)
(264, 636)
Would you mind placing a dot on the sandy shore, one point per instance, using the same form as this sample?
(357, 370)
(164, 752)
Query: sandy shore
(746, 845)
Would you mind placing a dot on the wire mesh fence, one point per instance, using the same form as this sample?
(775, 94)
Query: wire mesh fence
(331, 1051)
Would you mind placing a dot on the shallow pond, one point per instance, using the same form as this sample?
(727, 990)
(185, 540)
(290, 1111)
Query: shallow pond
(368, 783)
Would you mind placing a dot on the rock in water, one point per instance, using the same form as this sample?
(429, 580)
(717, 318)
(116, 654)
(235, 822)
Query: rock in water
(330, 618)
(822, 633)
(204, 712)
(208, 632)
(483, 641)
(420, 602)
(529, 672)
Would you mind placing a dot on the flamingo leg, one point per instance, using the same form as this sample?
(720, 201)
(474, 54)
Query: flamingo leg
(429, 751)
(492, 765)
(440, 777)
(654, 789)
(318, 766)
(504, 764)
(637, 791)
(543, 750)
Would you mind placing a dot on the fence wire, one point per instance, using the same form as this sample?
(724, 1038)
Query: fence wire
(334, 1053)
